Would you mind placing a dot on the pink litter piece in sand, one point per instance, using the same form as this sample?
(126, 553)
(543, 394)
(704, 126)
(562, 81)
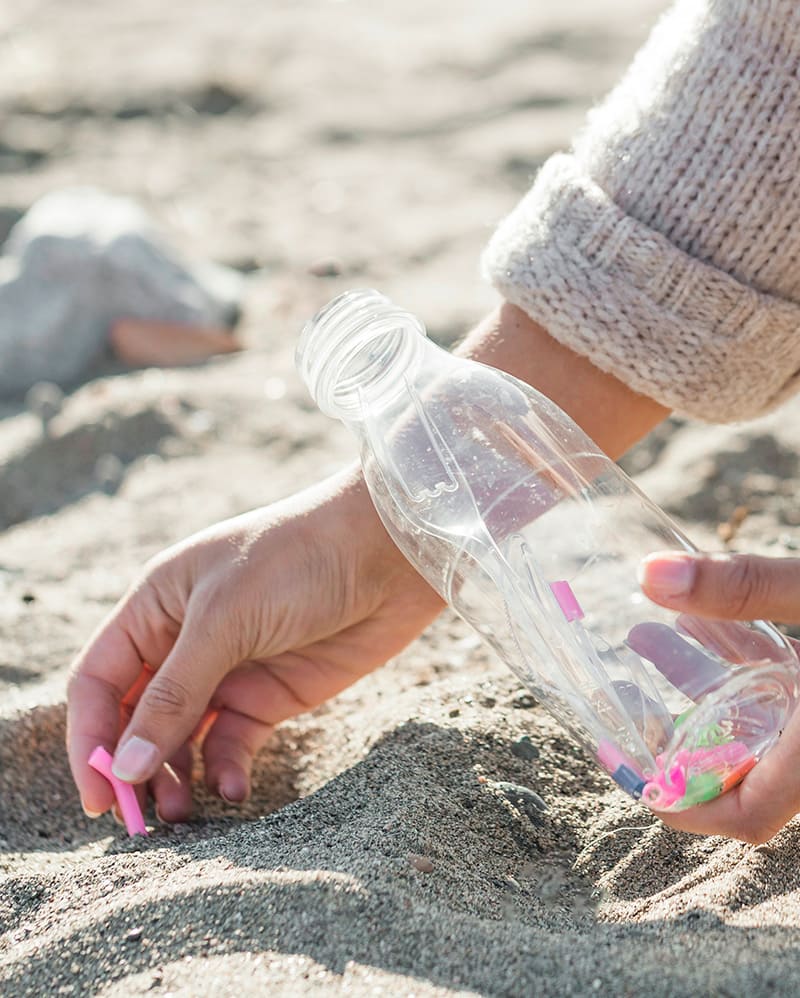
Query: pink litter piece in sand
(567, 600)
(101, 760)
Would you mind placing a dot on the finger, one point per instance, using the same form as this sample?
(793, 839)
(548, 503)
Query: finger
(687, 668)
(101, 676)
(228, 752)
(733, 587)
(172, 787)
(172, 703)
(760, 806)
(729, 639)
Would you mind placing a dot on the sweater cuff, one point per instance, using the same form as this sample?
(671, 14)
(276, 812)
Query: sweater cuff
(615, 291)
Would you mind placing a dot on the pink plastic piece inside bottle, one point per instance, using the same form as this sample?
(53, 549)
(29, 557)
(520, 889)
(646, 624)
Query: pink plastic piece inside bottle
(567, 600)
(101, 760)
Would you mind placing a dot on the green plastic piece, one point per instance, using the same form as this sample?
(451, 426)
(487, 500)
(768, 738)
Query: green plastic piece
(700, 788)
(712, 734)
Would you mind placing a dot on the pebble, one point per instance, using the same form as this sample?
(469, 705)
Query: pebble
(109, 472)
(44, 400)
(524, 799)
(422, 863)
(524, 748)
(524, 701)
(134, 935)
(326, 268)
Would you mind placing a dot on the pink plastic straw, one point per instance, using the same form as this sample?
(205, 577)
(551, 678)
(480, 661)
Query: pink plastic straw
(101, 760)
(567, 600)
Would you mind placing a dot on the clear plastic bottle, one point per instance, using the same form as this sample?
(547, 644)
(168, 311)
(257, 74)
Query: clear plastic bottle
(534, 537)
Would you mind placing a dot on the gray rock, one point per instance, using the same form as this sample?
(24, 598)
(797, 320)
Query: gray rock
(78, 260)
(524, 799)
(524, 748)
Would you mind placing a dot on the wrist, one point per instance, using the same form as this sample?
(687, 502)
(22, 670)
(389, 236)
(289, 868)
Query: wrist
(380, 562)
(604, 407)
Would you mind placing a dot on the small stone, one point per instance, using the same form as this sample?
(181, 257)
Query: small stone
(424, 864)
(325, 268)
(524, 748)
(524, 701)
(134, 935)
(512, 883)
(109, 472)
(454, 712)
(524, 799)
(28, 598)
(44, 400)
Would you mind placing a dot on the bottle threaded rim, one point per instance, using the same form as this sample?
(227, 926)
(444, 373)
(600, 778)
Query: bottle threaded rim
(358, 345)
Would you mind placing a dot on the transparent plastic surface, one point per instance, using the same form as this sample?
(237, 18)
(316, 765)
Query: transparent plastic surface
(534, 536)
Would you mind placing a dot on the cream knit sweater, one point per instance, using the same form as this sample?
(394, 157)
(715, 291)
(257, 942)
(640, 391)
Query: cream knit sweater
(666, 246)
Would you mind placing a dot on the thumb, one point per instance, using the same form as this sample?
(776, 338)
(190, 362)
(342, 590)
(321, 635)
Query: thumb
(732, 587)
(171, 705)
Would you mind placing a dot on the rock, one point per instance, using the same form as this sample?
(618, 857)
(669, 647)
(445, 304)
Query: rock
(422, 863)
(524, 748)
(525, 800)
(524, 701)
(326, 268)
(79, 260)
(44, 400)
(109, 472)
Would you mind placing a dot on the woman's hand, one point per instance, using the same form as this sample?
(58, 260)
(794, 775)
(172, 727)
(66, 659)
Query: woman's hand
(257, 619)
(737, 587)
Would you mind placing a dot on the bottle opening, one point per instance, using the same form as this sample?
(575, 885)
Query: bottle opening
(359, 348)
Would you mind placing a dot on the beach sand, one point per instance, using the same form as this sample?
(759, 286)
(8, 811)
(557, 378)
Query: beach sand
(315, 147)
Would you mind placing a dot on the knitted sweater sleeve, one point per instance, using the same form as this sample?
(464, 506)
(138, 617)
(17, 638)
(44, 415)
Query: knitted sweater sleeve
(665, 246)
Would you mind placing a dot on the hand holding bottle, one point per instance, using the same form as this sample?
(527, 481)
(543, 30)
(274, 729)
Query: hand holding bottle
(738, 587)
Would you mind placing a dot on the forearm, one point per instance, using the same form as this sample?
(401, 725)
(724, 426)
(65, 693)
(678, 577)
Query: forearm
(663, 247)
(603, 406)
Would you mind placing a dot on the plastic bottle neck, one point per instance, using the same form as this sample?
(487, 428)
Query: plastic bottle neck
(358, 350)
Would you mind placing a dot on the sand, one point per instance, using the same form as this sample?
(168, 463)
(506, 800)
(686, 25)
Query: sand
(315, 147)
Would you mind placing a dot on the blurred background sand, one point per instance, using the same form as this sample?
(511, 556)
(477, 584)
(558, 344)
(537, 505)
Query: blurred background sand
(316, 146)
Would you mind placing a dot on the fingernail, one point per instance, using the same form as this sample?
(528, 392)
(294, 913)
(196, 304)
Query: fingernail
(667, 575)
(135, 761)
(90, 814)
(232, 793)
